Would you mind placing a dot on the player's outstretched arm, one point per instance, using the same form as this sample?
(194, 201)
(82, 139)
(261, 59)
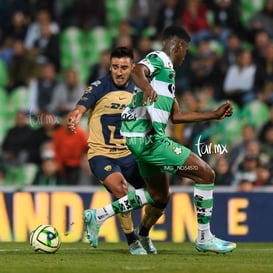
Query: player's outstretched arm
(139, 75)
(74, 117)
(178, 115)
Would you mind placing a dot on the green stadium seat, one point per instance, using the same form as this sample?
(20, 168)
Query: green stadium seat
(71, 35)
(249, 8)
(3, 74)
(18, 100)
(256, 113)
(97, 40)
(72, 47)
(116, 11)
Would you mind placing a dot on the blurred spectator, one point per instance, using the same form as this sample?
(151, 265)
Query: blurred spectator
(18, 28)
(248, 134)
(182, 132)
(86, 176)
(125, 40)
(86, 14)
(205, 98)
(194, 19)
(260, 45)
(223, 174)
(226, 20)
(34, 29)
(69, 148)
(47, 172)
(231, 51)
(142, 15)
(22, 68)
(7, 9)
(46, 149)
(239, 80)
(46, 124)
(99, 69)
(262, 20)
(264, 176)
(267, 145)
(204, 68)
(47, 47)
(247, 170)
(67, 93)
(144, 46)
(264, 77)
(17, 146)
(65, 13)
(245, 185)
(252, 148)
(42, 89)
(168, 14)
(125, 36)
(265, 127)
(33, 6)
(6, 51)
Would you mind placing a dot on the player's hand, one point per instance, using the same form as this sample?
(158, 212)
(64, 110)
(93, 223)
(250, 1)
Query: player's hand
(225, 110)
(73, 119)
(149, 94)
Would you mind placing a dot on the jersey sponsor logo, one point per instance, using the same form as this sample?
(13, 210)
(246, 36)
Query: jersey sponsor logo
(107, 168)
(129, 115)
(116, 106)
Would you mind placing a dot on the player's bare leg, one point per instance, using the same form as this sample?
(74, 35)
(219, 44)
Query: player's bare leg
(152, 213)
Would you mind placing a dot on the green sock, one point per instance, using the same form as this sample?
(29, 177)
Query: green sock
(132, 201)
(203, 200)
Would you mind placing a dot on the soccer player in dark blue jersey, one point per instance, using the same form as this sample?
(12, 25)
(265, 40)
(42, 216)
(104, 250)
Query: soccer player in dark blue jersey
(109, 158)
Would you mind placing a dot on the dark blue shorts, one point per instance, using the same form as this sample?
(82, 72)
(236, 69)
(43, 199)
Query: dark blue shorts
(102, 166)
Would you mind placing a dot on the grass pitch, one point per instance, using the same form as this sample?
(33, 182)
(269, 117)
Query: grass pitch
(115, 258)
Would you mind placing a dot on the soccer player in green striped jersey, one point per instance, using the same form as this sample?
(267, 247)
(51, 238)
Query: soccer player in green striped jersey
(143, 124)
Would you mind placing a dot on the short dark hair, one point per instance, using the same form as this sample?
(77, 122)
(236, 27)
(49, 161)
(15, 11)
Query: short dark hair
(122, 51)
(180, 32)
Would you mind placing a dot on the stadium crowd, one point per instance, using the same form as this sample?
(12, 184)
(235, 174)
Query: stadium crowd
(51, 50)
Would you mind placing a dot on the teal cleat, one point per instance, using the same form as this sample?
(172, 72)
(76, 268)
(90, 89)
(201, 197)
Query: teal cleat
(147, 244)
(92, 227)
(136, 248)
(215, 245)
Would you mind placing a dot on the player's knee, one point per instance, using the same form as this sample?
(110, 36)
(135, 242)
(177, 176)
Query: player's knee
(160, 199)
(119, 190)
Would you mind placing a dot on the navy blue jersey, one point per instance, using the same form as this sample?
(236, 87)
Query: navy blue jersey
(105, 103)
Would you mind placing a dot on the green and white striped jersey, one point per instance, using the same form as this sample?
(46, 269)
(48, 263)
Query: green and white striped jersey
(139, 120)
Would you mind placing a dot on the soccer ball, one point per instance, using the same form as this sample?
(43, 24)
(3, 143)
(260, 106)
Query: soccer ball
(45, 238)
